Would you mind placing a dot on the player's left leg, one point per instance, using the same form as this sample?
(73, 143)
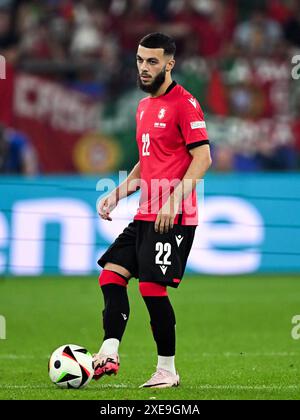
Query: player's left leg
(162, 260)
(162, 320)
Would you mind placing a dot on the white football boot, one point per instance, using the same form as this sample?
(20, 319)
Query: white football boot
(162, 379)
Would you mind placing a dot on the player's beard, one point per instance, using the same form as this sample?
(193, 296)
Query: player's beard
(155, 85)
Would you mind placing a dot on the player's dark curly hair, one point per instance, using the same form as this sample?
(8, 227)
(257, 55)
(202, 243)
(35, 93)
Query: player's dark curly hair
(159, 40)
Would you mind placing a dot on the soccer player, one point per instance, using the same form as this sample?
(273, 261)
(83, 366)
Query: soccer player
(174, 155)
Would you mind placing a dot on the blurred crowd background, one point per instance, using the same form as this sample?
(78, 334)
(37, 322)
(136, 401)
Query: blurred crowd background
(68, 92)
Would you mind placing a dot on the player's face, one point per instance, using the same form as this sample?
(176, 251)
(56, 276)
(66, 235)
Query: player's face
(152, 65)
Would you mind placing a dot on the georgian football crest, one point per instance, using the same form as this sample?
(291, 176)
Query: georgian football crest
(162, 113)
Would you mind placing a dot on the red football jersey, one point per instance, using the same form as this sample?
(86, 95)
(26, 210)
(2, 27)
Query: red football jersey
(167, 127)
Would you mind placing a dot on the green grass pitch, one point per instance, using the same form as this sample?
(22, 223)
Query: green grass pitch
(233, 338)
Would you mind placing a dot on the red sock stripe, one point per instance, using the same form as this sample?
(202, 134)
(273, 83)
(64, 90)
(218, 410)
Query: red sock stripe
(109, 277)
(152, 289)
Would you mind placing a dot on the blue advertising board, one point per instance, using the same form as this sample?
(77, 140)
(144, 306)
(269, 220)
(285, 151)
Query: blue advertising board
(248, 223)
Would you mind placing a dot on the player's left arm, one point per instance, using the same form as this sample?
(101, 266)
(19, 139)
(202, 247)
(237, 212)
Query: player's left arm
(193, 128)
(199, 165)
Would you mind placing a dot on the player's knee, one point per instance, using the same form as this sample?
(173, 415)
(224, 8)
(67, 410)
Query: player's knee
(111, 277)
(117, 268)
(152, 289)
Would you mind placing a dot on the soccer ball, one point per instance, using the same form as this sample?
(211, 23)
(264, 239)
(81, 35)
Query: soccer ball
(71, 366)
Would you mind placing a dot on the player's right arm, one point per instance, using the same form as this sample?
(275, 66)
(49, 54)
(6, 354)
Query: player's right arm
(131, 184)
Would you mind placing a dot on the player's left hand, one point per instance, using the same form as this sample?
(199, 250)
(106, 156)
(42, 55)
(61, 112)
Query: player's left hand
(166, 215)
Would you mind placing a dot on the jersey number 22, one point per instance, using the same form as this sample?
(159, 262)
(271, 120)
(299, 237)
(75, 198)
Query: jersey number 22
(146, 144)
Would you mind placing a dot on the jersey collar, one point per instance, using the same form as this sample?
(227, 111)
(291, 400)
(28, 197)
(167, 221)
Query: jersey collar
(172, 85)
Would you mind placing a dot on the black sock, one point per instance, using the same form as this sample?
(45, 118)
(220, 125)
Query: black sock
(162, 320)
(116, 310)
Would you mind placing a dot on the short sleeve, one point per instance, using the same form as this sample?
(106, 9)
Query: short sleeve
(191, 122)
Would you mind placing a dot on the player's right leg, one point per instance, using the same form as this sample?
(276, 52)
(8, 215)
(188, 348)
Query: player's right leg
(119, 265)
(113, 282)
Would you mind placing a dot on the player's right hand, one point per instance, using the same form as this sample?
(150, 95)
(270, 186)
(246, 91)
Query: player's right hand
(106, 205)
